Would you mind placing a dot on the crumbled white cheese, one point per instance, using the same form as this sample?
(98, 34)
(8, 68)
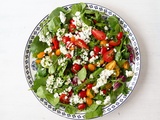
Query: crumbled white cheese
(61, 61)
(69, 89)
(98, 102)
(91, 53)
(107, 100)
(92, 59)
(46, 62)
(49, 83)
(63, 49)
(47, 39)
(104, 75)
(62, 17)
(60, 33)
(75, 99)
(129, 73)
(58, 83)
(48, 50)
(105, 28)
(77, 61)
(56, 95)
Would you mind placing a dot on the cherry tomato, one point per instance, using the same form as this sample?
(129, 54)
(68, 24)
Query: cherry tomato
(99, 35)
(86, 66)
(70, 93)
(104, 91)
(64, 99)
(108, 56)
(103, 50)
(120, 35)
(115, 43)
(82, 106)
(65, 39)
(71, 21)
(96, 49)
(68, 55)
(75, 68)
(82, 94)
(72, 28)
(55, 43)
(89, 86)
(80, 43)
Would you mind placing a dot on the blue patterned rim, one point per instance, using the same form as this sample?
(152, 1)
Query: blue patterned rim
(30, 69)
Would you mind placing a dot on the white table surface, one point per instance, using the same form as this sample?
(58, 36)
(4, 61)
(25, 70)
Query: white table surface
(17, 20)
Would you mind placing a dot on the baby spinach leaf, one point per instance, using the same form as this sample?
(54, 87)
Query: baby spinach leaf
(113, 21)
(54, 24)
(41, 92)
(38, 82)
(78, 7)
(70, 109)
(52, 100)
(98, 112)
(56, 12)
(82, 73)
(37, 46)
(93, 107)
(42, 72)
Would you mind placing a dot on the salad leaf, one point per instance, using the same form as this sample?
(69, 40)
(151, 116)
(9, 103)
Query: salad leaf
(37, 46)
(41, 92)
(98, 112)
(93, 107)
(82, 73)
(42, 72)
(113, 21)
(70, 109)
(78, 7)
(56, 12)
(38, 82)
(97, 72)
(52, 69)
(52, 100)
(54, 24)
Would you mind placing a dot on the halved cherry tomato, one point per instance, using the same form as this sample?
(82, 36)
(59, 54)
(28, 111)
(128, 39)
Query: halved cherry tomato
(99, 35)
(82, 106)
(115, 43)
(89, 94)
(96, 50)
(89, 101)
(75, 68)
(65, 39)
(72, 28)
(82, 94)
(120, 35)
(89, 86)
(55, 43)
(80, 43)
(108, 56)
(64, 99)
(103, 50)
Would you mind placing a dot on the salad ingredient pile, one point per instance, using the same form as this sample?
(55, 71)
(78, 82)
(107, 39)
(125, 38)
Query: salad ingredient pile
(83, 59)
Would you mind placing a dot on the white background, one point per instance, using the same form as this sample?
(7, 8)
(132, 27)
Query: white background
(17, 20)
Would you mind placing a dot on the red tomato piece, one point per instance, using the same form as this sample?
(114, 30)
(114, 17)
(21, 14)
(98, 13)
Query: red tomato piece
(80, 43)
(82, 94)
(64, 99)
(55, 43)
(120, 35)
(115, 43)
(75, 68)
(89, 86)
(96, 50)
(72, 28)
(65, 39)
(71, 21)
(104, 91)
(82, 106)
(108, 56)
(68, 55)
(103, 50)
(99, 35)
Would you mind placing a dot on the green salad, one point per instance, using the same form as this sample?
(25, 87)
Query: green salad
(83, 59)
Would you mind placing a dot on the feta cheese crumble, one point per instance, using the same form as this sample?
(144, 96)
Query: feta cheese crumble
(104, 75)
(129, 73)
(46, 62)
(107, 100)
